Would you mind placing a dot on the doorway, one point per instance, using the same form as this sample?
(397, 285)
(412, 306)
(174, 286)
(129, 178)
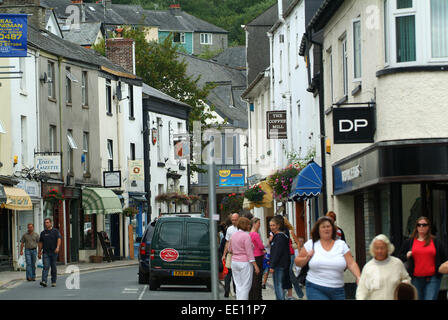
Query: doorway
(115, 233)
(438, 213)
(360, 242)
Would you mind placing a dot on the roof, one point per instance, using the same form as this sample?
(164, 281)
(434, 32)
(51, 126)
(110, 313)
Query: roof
(53, 44)
(233, 57)
(230, 84)
(152, 92)
(324, 14)
(85, 35)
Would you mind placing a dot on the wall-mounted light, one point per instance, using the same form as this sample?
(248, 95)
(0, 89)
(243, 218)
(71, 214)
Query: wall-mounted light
(16, 160)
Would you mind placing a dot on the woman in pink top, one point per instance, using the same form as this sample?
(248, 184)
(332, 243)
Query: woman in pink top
(243, 260)
(259, 251)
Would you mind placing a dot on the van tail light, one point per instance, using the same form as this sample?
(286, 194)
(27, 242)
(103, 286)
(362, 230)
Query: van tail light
(152, 254)
(142, 249)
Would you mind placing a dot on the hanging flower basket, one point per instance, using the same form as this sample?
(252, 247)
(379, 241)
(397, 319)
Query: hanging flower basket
(281, 181)
(254, 194)
(232, 203)
(194, 199)
(53, 196)
(130, 212)
(164, 197)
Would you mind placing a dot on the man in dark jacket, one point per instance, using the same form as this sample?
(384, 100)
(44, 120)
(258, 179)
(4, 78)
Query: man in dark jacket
(49, 244)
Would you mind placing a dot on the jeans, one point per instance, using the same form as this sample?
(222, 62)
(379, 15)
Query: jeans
(49, 260)
(30, 260)
(316, 292)
(293, 278)
(279, 282)
(427, 287)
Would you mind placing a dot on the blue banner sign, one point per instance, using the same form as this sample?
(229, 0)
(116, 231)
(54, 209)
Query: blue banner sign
(13, 35)
(232, 178)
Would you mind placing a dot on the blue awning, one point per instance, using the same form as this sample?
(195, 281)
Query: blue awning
(308, 183)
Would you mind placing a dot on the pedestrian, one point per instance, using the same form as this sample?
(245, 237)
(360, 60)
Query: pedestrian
(243, 260)
(327, 258)
(259, 251)
(30, 241)
(444, 268)
(227, 255)
(383, 273)
(339, 233)
(424, 254)
(49, 245)
(266, 267)
(405, 291)
(280, 256)
(291, 277)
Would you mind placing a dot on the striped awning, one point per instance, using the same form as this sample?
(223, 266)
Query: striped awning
(17, 199)
(100, 201)
(2, 194)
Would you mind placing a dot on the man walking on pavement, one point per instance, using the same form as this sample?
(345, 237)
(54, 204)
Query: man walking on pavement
(49, 243)
(29, 241)
(227, 256)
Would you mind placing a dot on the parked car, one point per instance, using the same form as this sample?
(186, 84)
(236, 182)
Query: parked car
(143, 254)
(179, 252)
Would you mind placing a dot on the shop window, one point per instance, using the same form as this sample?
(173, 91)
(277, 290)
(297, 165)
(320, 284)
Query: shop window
(384, 208)
(411, 206)
(88, 239)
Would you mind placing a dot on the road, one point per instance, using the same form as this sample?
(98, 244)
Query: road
(110, 284)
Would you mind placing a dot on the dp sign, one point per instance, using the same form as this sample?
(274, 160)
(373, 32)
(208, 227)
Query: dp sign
(353, 125)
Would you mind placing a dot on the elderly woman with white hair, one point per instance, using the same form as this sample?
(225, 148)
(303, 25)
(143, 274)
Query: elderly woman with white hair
(381, 275)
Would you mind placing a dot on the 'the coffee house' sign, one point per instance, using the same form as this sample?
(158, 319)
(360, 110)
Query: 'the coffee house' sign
(276, 124)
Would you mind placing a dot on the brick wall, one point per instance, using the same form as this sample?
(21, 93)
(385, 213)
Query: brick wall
(121, 52)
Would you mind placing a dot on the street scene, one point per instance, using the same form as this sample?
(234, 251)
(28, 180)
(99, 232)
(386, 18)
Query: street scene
(232, 150)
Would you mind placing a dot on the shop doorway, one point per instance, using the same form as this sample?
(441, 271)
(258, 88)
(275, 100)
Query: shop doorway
(5, 240)
(438, 213)
(115, 233)
(360, 241)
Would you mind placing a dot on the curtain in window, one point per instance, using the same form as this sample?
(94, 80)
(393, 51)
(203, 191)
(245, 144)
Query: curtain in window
(405, 30)
(357, 48)
(404, 4)
(439, 28)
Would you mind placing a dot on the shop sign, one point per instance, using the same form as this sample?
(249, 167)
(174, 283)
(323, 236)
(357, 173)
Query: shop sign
(48, 164)
(353, 125)
(136, 171)
(351, 174)
(276, 124)
(13, 35)
(112, 179)
(232, 178)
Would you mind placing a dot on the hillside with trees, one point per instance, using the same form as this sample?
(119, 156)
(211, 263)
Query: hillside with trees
(227, 14)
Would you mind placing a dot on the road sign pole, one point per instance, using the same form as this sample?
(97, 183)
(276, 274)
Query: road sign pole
(213, 229)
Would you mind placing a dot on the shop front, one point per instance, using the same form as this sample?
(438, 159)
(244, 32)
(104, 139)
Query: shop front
(389, 185)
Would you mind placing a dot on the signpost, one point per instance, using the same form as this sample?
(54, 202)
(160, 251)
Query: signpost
(213, 230)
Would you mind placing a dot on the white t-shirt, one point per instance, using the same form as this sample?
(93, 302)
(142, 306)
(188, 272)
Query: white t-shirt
(327, 267)
(230, 230)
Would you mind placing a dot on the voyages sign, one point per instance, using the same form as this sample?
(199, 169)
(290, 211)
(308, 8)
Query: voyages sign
(48, 164)
(13, 35)
(276, 124)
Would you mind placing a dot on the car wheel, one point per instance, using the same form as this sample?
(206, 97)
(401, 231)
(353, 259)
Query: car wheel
(154, 284)
(143, 278)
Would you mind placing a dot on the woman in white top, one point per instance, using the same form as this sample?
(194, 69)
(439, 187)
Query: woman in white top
(381, 275)
(327, 259)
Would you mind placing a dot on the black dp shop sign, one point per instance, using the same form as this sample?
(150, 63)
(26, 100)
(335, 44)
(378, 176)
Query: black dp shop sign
(354, 125)
(276, 124)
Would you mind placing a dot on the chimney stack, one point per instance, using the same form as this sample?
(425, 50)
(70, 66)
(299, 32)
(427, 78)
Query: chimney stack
(107, 4)
(175, 9)
(36, 12)
(121, 51)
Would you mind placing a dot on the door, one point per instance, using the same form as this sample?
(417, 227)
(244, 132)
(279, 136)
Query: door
(168, 245)
(360, 241)
(74, 232)
(300, 219)
(197, 248)
(438, 216)
(115, 233)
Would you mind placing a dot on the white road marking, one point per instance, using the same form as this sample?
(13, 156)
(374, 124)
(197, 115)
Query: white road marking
(143, 291)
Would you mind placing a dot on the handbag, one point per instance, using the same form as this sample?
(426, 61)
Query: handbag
(301, 278)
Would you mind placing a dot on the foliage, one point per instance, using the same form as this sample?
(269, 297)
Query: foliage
(294, 157)
(232, 203)
(281, 181)
(254, 194)
(54, 196)
(177, 198)
(130, 211)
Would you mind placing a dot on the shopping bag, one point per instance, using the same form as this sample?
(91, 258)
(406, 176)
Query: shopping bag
(21, 261)
(40, 264)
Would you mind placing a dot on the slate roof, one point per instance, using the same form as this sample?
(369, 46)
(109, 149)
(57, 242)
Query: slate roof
(233, 57)
(230, 84)
(152, 92)
(85, 35)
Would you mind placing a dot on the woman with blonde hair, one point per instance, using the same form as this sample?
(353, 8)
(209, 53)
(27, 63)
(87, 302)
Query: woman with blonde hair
(383, 274)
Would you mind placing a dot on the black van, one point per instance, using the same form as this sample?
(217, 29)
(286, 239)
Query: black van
(180, 252)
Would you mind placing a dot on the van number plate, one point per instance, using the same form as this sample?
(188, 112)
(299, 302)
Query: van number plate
(177, 273)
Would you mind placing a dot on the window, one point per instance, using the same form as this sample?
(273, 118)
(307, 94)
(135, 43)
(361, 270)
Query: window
(68, 86)
(386, 31)
(51, 80)
(405, 35)
(52, 139)
(84, 88)
(132, 150)
(159, 142)
(22, 67)
(71, 146)
(404, 4)
(357, 68)
(330, 59)
(344, 65)
(170, 235)
(281, 66)
(197, 235)
(85, 152)
(131, 101)
(439, 28)
(108, 97)
(179, 37)
(24, 147)
(110, 155)
(206, 38)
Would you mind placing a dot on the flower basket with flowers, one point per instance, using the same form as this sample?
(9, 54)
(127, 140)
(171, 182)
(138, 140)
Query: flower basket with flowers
(130, 212)
(54, 196)
(163, 197)
(254, 194)
(281, 181)
(232, 203)
(194, 199)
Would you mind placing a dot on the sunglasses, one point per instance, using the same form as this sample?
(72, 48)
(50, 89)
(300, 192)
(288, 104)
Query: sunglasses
(422, 224)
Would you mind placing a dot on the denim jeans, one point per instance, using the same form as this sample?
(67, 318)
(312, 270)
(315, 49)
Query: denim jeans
(427, 287)
(49, 260)
(293, 278)
(30, 260)
(279, 282)
(316, 292)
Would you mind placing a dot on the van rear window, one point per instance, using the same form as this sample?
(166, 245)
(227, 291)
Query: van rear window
(197, 235)
(170, 235)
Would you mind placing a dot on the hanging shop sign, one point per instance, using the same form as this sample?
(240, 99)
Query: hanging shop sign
(48, 164)
(136, 171)
(353, 125)
(13, 35)
(276, 125)
(112, 179)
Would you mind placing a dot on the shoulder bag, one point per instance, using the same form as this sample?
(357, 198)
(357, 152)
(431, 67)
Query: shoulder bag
(301, 278)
